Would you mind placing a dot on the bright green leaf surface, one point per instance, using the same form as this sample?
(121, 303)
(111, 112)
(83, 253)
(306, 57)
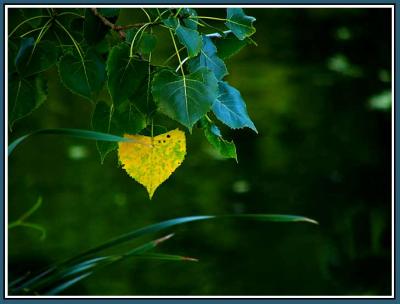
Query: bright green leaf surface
(208, 58)
(230, 108)
(185, 98)
(239, 23)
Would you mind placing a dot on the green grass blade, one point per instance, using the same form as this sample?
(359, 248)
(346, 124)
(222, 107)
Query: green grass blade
(78, 133)
(77, 264)
(67, 284)
(166, 257)
(274, 218)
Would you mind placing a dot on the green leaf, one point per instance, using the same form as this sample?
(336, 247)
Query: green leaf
(124, 119)
(145, 43)
(35, 58)
(30, 12)
(208, 58)
(226, 149)
(12, 53)
(124, 74)
(83, 76)
(85, 134)
(230, 108)
(239, 23)
(94, 30)
(189, 38)
(229, 45)
(186, 13)
(185, 98)
(102, 121)
(24, 96)
(109, 12)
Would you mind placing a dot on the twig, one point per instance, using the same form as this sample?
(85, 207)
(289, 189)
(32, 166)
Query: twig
(118, 28)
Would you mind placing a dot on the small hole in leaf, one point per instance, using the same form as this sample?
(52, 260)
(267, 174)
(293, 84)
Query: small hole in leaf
(168, 136)
(159, 141)
(163, 141)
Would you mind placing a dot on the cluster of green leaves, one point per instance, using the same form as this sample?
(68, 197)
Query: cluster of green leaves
(92, 53)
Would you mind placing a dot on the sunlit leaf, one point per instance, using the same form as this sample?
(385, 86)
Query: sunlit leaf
(208, 58)
(124, 73)
(151, 160)
(230, 108)
(226, 149)
(239, 23)
(83, 76)
(185, 98)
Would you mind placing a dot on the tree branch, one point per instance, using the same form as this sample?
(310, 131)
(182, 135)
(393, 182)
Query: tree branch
(118, 28)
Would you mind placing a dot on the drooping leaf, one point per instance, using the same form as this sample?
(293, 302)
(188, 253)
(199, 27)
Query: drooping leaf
(124, 73)
(32, 59)
(94, 30)
(151, 160)
(226, 149)
(229, 45)
(208, 58)
(144, 42)
(185, 98)
(239, 23)
(230, 108)
(83, 76)
(123, 119)
(189, 38)
(24, 96)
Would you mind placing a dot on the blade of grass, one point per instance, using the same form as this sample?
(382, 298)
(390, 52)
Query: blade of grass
(67, 284)
(80, 259)
(78, 133)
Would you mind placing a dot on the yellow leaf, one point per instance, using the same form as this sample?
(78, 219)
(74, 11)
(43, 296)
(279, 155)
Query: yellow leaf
(151, 160)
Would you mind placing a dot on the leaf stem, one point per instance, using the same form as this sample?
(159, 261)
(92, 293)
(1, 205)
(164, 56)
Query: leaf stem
(207, 17)
(140, 30)
(71, 13)
(25, 21)
(177, 52)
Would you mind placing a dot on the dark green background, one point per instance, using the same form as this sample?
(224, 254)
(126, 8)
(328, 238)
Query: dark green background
(315, 87)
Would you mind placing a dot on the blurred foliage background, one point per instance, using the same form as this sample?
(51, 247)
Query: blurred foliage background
(317, 87)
